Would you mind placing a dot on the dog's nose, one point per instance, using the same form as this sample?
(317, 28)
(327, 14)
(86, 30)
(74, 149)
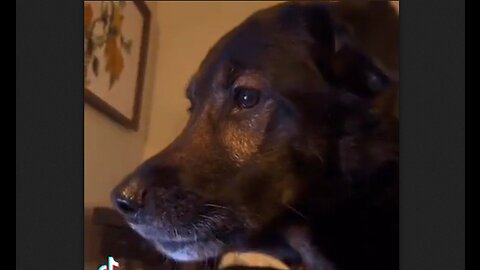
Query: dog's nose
(129, 197)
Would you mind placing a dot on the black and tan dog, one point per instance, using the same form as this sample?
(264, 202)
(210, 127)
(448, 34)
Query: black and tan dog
(286, 151)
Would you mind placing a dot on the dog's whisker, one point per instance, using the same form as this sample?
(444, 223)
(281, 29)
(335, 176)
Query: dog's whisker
(215, 205)
(218, 206)
(195, 229)
(211, 219)
(220, 241)
(295, 211)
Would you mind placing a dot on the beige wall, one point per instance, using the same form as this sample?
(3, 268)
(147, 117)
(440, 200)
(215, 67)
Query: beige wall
(187, 31)
(110, 150)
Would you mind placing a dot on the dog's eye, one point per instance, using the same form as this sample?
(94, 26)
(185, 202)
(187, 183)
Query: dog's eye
(246, 97)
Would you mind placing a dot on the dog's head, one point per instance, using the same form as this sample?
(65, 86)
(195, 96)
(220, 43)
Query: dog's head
(270, 106)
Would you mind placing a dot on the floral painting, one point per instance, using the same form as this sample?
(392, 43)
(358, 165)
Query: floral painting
(115, 40)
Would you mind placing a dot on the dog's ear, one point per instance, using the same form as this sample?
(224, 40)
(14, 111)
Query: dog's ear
(355, 71)
(341, 53)
(339, 57)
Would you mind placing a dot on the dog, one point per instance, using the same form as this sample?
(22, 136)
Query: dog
(291, 147)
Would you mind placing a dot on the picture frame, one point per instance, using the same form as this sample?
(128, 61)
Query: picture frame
(116, 36)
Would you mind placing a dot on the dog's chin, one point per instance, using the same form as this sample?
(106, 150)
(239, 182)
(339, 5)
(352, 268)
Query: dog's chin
(182, 249)
(190, 250)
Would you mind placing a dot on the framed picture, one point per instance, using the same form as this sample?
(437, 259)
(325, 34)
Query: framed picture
(115, 51)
